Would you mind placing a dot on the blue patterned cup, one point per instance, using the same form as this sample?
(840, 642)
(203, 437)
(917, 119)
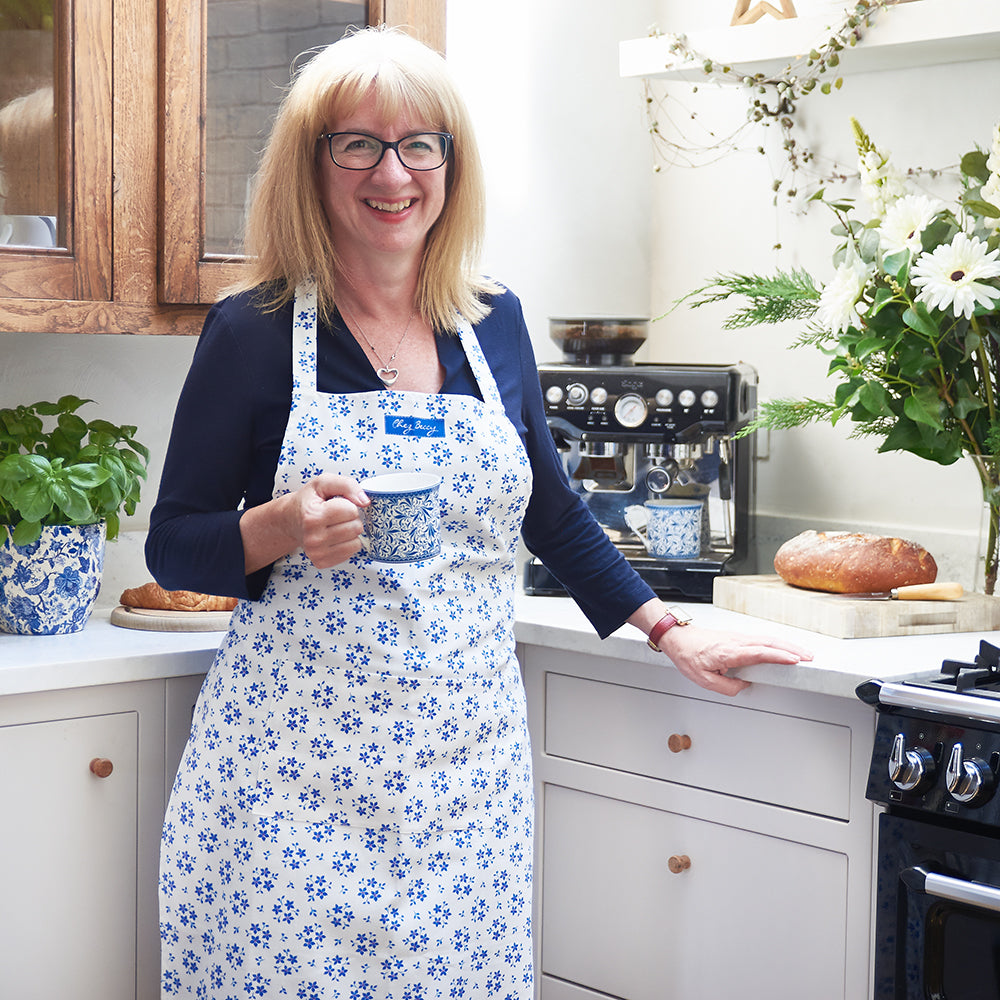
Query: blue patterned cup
(673, 530)
(403, 520)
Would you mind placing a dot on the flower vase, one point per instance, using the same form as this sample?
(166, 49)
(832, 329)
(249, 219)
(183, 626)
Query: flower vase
(988, 551)
(49, 587)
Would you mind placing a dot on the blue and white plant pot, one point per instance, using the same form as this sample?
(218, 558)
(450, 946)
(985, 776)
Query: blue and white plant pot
(50, 586)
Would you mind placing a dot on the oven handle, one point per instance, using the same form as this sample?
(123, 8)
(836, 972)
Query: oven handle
(957, 890)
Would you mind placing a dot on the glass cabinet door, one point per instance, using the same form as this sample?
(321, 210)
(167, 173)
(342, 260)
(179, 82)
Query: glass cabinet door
(55, 116)
(250, 49)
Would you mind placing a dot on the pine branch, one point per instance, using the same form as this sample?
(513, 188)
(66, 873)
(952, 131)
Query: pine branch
(782, 414)
(787, 295)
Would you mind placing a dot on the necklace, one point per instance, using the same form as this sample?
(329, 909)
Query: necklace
(387, 373)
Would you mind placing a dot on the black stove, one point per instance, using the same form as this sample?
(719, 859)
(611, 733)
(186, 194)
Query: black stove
(934, 768)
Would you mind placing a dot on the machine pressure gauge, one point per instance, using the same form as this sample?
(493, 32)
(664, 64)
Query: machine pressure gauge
(631, 410)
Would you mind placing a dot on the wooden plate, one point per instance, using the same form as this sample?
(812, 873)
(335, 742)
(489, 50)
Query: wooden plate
(170, 621)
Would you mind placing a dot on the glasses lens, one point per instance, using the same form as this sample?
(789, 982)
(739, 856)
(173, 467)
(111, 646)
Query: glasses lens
(424, 151)
(354, 150)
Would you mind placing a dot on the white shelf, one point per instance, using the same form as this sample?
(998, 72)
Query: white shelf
(920, 33)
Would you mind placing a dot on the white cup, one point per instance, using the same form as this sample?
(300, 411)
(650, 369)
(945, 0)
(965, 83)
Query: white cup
(403, 520)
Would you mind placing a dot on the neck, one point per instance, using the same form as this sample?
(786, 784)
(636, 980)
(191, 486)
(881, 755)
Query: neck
(383, 293)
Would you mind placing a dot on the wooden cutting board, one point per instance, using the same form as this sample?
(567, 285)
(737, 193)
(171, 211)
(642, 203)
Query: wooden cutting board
(170, 621)
(771, 598)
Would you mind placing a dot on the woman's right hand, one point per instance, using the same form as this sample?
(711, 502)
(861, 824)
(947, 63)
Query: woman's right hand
(322, 518)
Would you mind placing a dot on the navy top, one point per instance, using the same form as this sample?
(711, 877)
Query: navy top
(230, 422)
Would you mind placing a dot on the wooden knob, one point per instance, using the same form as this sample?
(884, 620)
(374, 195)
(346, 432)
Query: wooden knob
(679, 863)
(101, 767)
(677, 742)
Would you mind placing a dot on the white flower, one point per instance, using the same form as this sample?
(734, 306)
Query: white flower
(991, 189)
(881, 183)
(905, 220)
(838, 306)
(951, 276)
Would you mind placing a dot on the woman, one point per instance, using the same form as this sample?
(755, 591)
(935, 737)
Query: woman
(353, 813)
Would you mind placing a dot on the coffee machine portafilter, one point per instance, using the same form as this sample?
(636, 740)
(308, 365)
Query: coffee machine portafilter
(631, 432)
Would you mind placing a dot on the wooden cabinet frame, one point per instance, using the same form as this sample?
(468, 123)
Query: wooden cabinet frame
(131, 80)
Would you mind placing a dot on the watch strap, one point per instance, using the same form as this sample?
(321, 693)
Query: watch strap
(674, 616)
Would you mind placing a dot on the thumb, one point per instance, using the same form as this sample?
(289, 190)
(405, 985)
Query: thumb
(327, 486)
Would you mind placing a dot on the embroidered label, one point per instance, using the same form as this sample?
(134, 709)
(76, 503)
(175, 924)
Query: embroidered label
(422, 427)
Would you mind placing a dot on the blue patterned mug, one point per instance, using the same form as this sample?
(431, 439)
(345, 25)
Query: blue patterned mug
(673, 530)
(403, 520)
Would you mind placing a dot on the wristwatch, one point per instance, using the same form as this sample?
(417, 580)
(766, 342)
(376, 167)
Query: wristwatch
(674, 616)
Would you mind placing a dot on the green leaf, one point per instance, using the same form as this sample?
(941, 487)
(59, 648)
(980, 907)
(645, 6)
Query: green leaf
(898, 265)
(87, 476)
(868, 244)
(974, 165)
(875, 399)
(918, 318)
(924, 407)
(980, 207)
(26, 532)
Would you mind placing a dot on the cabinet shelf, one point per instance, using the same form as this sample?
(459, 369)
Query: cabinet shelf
(921, 33)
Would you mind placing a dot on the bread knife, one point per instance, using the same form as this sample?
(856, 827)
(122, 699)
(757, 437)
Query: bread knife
(914, 592)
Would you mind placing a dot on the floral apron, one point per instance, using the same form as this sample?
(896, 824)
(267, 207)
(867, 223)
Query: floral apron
(353, 814)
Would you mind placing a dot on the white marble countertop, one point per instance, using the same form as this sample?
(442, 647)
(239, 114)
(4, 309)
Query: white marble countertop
(105, 654)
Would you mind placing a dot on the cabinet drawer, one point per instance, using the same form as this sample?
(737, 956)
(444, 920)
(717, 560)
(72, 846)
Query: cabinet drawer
(750, 916)
(803, 764)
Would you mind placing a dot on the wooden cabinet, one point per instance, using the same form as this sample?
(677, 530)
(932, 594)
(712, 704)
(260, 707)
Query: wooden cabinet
(695, 847)
(83, 792)
(131, 150)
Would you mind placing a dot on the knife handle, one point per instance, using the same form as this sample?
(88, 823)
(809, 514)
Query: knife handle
(928, 592)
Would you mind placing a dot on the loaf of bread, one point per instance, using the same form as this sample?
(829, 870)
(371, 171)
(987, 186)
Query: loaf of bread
(846, 562)
(152, 597)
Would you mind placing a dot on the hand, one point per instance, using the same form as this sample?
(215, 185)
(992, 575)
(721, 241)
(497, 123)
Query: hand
(322, 518)
(705, 656)
(328, 519)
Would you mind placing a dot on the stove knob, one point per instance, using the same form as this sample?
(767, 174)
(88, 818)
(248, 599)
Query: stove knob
(910, 770)
(969, 781)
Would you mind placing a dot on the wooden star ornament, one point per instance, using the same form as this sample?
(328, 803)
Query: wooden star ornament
(745, 14)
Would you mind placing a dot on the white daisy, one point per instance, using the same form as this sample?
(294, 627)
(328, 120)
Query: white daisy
(904, 222)
(951, 276)
(839, 302)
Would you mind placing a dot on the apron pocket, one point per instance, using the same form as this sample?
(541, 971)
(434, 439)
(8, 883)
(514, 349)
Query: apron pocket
(383, 751)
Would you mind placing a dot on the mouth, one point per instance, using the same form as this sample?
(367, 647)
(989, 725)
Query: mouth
(392, 207)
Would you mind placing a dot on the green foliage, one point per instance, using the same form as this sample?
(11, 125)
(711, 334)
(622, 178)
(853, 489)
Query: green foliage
(56, 468)
(787, 295)
(25, 14)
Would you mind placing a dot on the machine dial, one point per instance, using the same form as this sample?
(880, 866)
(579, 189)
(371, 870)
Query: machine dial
(664, 397)
(631, 410)
(576, 394)
(599, 396)
(553, 395)
(686, 397)
(710, 399)
(969, 780)
(910, 769)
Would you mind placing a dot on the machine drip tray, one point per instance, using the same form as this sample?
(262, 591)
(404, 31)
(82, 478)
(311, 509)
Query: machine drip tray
(682, 580)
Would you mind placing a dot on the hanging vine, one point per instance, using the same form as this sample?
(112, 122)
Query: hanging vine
(773, 100)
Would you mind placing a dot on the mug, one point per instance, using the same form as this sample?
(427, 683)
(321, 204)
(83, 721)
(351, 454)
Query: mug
(673, 528)
(403, 520)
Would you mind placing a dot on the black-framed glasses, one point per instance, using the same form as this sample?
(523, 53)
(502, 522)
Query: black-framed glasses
(360, 151)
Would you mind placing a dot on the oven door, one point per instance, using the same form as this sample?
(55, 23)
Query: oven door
(937, 931)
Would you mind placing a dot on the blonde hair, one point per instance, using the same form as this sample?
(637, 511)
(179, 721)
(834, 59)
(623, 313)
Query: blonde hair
(287, 234)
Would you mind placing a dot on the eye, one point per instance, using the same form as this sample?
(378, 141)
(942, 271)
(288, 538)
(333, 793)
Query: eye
(356, 144)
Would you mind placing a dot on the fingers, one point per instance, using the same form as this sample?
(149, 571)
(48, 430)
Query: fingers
(331, 525)
(327, 486)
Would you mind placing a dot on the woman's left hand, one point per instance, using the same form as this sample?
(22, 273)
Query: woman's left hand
(705, 656)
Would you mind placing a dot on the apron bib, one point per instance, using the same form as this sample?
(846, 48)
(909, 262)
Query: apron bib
(353, 814)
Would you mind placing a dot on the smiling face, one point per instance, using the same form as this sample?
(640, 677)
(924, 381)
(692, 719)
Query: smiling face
(387, 210)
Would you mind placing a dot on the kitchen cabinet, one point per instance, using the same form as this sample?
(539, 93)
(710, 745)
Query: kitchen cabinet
(689, 845)
(923, 33)
(83, 793)
(130, 160)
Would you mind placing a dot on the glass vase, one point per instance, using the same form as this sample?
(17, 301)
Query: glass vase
(988, 550)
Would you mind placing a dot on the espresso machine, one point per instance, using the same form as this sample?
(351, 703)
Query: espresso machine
(629, 432)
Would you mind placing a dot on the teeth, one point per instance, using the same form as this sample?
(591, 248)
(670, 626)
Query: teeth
(390, 206)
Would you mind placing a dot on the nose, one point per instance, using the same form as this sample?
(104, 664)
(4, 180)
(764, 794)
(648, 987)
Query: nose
(390, 166)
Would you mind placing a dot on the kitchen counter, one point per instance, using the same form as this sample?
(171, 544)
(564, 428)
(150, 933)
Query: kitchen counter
(104, 653)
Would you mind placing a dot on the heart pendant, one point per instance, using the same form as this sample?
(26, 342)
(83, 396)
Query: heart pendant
(387, 375)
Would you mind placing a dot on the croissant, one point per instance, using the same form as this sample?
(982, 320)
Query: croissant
(151, 596)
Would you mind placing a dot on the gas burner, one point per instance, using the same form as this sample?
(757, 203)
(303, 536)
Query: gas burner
(982, 673)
